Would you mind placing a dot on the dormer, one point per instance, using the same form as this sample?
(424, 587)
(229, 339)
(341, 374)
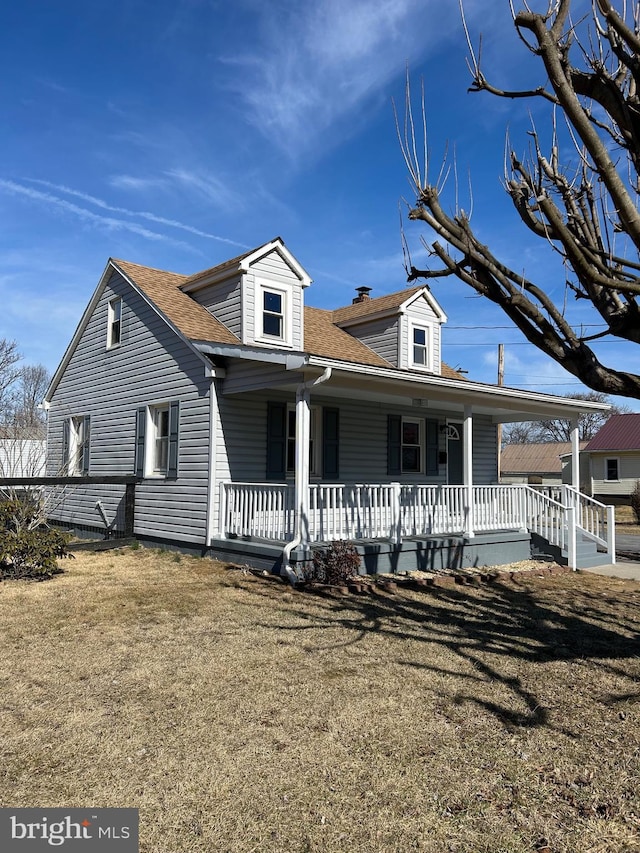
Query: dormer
(402, 327)
(259, 296)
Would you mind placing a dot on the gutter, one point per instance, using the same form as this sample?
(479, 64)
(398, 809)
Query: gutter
(286, 570)
(467, 386)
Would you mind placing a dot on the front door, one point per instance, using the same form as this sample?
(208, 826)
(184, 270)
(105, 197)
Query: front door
(455, 473)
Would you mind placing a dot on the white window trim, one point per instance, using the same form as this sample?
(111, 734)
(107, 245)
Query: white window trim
(111, 320)
(150, 442)
(286, 293)
(421, 442)
(75, 450)
(608, 459)
(427, 328)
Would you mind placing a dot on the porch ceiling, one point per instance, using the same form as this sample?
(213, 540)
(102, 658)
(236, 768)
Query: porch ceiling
(400, 388)
(502, 405)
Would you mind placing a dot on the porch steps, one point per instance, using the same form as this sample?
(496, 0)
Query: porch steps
(587, 554)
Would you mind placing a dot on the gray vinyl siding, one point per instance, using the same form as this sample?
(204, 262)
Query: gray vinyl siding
(272, 269)
(485, 451)
(421, 313)
(241, 455)
(245, 375)
(381, 336)
(224, 301)
(628, 473)
(151, 366)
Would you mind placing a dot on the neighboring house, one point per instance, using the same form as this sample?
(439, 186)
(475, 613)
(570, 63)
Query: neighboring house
(22, 457)
(612, 458)
(256, 426)
(535, 463)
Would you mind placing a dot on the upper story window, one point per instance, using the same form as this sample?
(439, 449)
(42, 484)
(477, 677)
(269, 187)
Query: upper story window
(114, 331)
(273, 314)
(273, 317)
(420, 346)
(611, 471)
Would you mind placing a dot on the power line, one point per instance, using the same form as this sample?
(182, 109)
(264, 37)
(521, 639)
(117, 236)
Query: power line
(517, 343)
(582, 326)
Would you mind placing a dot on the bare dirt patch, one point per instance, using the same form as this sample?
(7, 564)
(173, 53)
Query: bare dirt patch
(240, 715)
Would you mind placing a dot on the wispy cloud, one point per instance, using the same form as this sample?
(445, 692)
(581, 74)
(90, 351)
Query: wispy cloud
(103, 205)
(131, 182)
(317, 64)
(108, 222)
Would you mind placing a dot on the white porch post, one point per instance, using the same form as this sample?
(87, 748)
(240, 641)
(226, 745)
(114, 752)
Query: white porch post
(575, 455)
(303, 438)
(467, 465)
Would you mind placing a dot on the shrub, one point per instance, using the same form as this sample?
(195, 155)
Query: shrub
(634, 499)
(336, 563)
(28, 550)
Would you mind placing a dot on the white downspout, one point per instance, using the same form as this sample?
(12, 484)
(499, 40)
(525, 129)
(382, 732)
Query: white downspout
(211, 480)
(303, 412)
(467, 461)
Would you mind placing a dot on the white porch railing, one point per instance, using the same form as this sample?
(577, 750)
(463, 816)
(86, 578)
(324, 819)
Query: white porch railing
(594, 520)
(551, 519)
(393, 511)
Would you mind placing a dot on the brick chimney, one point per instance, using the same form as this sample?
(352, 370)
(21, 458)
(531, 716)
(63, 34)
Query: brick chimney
(363, 295)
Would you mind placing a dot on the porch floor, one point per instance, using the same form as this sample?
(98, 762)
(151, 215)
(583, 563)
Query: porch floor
(381, 556)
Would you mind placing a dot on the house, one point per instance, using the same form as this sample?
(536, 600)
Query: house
(536, 463)
(22, 456)
(611, 459)
(256, 426)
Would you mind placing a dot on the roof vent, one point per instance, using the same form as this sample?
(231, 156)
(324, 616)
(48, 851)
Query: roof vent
(363, 295)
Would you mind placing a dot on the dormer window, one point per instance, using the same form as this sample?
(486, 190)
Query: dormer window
(420, 347)
(420, 343)
(114, 322)
(273, 314)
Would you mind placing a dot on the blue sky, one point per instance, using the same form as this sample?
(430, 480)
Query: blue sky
(177, 134)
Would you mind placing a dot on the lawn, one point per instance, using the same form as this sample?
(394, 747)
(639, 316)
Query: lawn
(626, 520)
(240, 715)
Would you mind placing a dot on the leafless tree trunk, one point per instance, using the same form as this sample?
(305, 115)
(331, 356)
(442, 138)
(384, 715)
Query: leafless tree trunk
(585, 210)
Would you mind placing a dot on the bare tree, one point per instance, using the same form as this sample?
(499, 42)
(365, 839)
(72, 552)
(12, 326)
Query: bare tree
(559, 429)
(521, 432)
(9, 372)
(584, 209)
(31, 385)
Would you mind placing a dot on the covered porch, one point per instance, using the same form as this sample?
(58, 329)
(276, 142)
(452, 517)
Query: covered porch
(438, 501)
(456, 516)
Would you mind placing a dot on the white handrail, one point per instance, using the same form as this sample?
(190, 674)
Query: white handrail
(552, 520)
(395, 511)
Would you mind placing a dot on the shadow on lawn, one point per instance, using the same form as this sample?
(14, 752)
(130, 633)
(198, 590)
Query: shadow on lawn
(535, 622)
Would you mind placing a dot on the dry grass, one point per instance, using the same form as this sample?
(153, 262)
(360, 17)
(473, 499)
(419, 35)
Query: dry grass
(239, 715)
(626, 521)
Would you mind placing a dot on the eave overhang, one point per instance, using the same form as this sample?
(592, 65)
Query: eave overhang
(350, 380)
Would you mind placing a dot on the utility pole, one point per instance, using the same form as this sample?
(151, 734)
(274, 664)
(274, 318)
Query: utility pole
(500, 382)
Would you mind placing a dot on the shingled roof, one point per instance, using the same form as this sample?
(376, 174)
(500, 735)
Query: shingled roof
(187, 315)
(322, 337)
(378, 305)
